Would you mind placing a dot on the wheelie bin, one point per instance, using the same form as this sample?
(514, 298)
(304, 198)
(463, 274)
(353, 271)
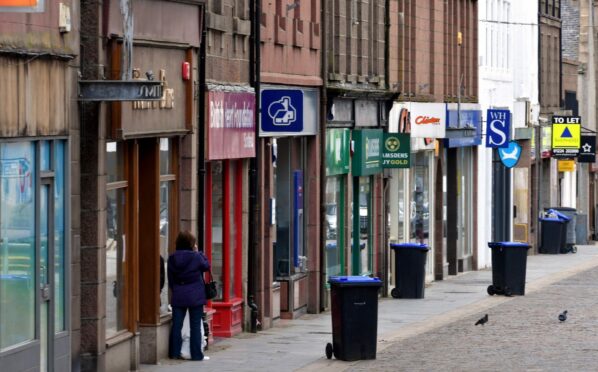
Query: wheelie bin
(509, 261)
(410, 270)
(554, 232)
(570, 214)
(354, 307)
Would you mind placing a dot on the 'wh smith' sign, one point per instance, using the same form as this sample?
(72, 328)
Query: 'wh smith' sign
(499, 128)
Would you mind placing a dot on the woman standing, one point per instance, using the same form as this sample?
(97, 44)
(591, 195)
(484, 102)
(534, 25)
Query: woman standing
(185, 278)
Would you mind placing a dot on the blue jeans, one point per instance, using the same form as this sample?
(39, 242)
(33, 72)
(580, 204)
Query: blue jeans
(176, 339)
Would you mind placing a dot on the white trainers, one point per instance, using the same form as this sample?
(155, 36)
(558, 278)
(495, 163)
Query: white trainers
(205, 357)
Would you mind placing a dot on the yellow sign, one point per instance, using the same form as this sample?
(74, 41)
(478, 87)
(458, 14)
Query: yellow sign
(566, 136)
(566, 165)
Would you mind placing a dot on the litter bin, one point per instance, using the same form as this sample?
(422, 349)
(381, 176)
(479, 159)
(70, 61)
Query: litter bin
(554, 232)
(571, 236)
(410, 270)
(354, 303)
(509, 261)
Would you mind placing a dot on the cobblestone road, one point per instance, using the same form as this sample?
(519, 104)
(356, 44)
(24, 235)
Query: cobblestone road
(522, 334)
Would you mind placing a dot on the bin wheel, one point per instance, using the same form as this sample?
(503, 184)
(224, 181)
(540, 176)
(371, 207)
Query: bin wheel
(394, 293)
(329, 350)
(508, 292)
(491, 290)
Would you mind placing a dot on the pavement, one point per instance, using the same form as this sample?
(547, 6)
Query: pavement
(522, 334)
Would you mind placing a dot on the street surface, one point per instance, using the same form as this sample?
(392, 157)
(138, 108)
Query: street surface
(438, 333)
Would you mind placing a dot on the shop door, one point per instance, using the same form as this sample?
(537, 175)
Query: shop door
(46, 273)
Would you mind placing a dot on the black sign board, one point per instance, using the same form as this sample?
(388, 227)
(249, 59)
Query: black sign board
(120, 90)
(587, 151)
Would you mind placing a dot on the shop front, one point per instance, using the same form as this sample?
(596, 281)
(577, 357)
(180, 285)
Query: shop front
(335, 193)
(464, 133)
(230, 141)
(289, 122)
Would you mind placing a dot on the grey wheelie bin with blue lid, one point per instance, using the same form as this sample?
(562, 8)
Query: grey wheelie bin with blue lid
(554, 232)
(509, 263)
(354, 307)
(569, 214)
(410, 270)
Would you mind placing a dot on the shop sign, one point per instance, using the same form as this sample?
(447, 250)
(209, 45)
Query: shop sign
(428, 120)
(546, 142)
(510, 155)
(465, 124)
(498, 128)
(337, 151)
(396, 152)
(367, 146)
(120, 90)
(399, 121)
(288, 112)
(566, 136)
(231, 125)
(165, 102)
(22, 6)
(566, 165)
(587, 151)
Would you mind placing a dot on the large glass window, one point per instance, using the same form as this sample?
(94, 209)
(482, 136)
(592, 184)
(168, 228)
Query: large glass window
(365, 221)
(420, 208)
(116, 202)
(17, 243)
(464, 200)
(216, 168)
(234, 204)
(332, 225)
(167, 178)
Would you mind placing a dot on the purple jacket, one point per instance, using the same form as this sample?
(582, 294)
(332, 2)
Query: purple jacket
(185, 270)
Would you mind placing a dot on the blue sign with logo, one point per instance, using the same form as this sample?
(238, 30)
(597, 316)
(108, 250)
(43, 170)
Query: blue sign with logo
(499, 128)
(510, 155)
(282, 110)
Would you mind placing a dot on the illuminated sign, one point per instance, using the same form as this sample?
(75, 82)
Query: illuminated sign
(22, 6)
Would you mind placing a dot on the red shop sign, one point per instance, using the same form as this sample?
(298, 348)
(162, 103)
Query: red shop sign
(231, 125)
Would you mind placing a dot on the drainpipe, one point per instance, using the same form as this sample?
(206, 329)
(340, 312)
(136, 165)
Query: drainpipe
(254, 207)
(201, 164)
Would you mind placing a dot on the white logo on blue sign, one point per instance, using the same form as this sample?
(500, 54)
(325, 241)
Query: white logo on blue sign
(282, 110)
(510, 155)
(499, 128)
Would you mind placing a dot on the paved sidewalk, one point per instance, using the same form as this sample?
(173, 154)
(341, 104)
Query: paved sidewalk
(299, 344)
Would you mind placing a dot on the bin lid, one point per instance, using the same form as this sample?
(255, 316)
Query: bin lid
(559, 214)
(331, 245)
(552, 219)
(508, 245)
(566, 209)
(409, 246)
(354, 280)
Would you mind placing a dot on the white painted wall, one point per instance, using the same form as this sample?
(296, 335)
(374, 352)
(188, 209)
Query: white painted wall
(508, 70)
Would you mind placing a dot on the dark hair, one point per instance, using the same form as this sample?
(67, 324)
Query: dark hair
(185, 241)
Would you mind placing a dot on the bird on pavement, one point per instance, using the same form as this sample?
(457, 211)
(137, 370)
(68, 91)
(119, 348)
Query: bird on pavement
(563, 316)
(483, 320)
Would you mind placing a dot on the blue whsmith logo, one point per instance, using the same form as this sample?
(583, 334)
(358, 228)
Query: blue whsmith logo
(510, 155)
(282, 110)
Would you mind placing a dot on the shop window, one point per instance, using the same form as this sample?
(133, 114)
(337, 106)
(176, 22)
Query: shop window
(17, 243)
(59, 236)
(333, 226)
(420, 207)
(216, 169)
(365, 221)
(116, 239)
(167, 181)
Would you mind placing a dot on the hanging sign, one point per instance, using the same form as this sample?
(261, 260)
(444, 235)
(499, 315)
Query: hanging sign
(498, 129)
(510, 155)
(587, 151)
(566, 165)
(367, 149)
(396, 152)
(566, 136)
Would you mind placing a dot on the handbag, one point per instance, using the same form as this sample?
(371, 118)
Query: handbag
(211, 288)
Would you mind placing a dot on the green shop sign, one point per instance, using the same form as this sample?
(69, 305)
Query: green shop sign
(367, 154)
(337, 151)
(396, 152)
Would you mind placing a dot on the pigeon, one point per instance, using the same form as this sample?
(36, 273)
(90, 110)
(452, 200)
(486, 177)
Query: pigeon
(563, 316)
(483, 320)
